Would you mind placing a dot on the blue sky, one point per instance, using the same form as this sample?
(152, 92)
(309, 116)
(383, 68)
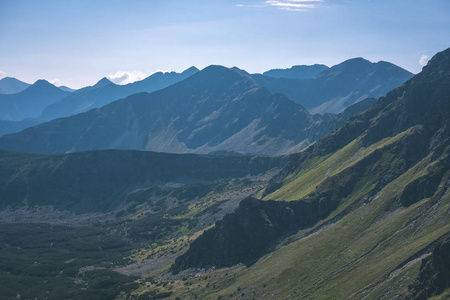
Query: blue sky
(77, 42)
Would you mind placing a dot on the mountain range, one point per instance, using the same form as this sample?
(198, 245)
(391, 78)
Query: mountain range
(104, 92)
(46, 102)
(340, 86)
(216, 109)
(342, 82)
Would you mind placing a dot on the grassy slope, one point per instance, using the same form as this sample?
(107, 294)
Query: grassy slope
(371, 253)
(318, 169)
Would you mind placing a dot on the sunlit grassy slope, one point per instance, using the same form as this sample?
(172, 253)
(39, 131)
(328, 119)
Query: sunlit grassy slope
(318, 169)
(385, 177)
(371, 253)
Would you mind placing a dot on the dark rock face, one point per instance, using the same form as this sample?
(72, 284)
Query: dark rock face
(243, 236)
(434, 276)
(419, 189)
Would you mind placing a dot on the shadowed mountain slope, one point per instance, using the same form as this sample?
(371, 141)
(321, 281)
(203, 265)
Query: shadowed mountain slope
(17, 126)
(98, 181)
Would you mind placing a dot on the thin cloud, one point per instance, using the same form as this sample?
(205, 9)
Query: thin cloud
(55, 82)
(290, 5)
(125, 77)
(2, 74)
(423, 60)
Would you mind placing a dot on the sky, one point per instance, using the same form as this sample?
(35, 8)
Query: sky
(77, 42)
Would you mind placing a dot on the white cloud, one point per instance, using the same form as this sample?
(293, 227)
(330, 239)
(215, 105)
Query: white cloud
(55, 81)
(2, 74)
(423, 60)
(125, 77)
(291, 5)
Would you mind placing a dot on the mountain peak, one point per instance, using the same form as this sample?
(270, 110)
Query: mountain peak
(439, 63)
(102, 82)
(357, 61)
(218, 77)
(40, 85)
(358, 66)
(223, 71)
(10, 79)
(190, 71)
(42, 82)
(11, 85)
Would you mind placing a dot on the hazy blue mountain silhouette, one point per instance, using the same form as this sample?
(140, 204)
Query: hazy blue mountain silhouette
(30, 102)
(297, 72)
(104, 92)
(340, 86)
(10, 85)
(66, 88)
(217, 109)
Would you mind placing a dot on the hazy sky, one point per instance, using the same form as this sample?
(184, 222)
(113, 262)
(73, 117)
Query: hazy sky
(77, 42)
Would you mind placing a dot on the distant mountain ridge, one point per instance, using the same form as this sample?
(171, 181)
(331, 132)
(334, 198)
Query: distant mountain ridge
(297, 72)
(66, 88)
(10, 85)
(105, 91)
(331, 90)
(217, 109)
(340, 86)
(30, 102)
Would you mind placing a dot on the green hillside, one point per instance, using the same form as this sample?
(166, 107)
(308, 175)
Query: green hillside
(385, 191)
